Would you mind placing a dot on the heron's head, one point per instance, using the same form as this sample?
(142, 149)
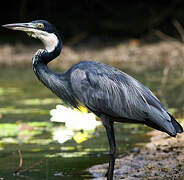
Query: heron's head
(39, 29)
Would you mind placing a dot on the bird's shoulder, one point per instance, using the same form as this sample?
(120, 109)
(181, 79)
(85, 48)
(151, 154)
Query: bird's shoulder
(93, 68)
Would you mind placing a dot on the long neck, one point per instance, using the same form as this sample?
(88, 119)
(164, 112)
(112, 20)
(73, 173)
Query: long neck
(42, 58)
(57, 83)
(52, 50)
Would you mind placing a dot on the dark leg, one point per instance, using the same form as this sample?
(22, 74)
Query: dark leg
(109, 125)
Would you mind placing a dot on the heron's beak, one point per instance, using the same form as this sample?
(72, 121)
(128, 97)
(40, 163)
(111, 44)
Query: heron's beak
(27, 27)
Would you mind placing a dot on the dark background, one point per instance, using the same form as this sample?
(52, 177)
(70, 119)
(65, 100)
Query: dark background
(98, 18)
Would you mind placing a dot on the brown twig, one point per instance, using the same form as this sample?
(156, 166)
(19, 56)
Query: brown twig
(33, 165)
(17, 171)
(164, 36)
(179, 28)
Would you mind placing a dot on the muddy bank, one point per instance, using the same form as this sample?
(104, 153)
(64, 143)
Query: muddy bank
(162, 158)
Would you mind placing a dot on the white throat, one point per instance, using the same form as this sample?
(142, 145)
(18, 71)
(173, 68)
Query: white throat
(49, 40)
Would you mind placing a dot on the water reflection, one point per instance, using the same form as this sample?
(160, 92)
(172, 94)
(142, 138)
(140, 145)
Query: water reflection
(75, 120)
(78, 125)
(62, 134)
(20, 133)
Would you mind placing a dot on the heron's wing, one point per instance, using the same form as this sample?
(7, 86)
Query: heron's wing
(111, 91)
(106, 90)
(114, 93)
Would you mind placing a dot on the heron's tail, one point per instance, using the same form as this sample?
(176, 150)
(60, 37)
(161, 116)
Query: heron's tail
(177, 126)
(171, 127)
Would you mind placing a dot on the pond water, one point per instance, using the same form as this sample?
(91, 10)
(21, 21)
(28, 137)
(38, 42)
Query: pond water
(25, 126)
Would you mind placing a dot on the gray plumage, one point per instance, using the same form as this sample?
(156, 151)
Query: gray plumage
(106, 90)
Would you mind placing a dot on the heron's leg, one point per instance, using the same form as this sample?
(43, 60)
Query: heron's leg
(109, 126)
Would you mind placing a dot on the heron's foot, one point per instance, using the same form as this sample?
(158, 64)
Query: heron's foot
(109, 175)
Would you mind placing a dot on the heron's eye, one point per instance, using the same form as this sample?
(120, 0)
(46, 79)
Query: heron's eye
(40, 25)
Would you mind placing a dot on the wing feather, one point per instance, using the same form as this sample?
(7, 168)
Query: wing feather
(107, 90)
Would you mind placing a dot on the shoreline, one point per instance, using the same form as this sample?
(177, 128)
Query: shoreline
(162, 158)
(130, 54)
